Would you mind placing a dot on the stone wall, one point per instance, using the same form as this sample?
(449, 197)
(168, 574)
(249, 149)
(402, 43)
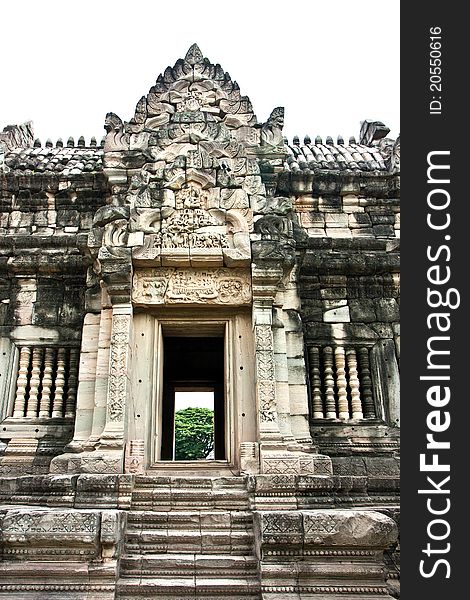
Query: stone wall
(45, 216)
(193, 216)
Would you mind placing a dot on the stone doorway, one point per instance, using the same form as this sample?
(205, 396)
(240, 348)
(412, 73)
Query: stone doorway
(188, 350)
(193, 368)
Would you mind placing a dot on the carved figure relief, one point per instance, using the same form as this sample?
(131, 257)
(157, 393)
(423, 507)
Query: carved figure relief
(191, 228)
(191, 197)
(192, 286)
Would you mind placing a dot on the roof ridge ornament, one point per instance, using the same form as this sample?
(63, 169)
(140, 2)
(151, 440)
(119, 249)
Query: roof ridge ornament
(271, 131)
(194, 55)
(17, 136)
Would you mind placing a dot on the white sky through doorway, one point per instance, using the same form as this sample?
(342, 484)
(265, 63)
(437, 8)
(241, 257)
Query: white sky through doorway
(194, 400)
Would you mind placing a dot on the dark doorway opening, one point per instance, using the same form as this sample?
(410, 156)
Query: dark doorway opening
(193, 374)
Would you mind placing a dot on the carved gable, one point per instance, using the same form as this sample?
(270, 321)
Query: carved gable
(185, 175)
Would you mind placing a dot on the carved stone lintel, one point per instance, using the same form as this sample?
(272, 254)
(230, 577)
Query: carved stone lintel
(226, 287)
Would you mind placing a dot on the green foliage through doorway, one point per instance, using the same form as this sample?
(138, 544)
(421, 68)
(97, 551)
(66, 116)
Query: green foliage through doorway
(194, 433)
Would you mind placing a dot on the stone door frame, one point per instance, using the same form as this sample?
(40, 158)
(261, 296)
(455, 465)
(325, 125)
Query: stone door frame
(239, 397)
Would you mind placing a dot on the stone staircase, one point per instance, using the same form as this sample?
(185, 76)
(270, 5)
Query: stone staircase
(189, 538)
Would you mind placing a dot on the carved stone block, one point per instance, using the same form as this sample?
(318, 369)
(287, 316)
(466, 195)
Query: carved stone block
(229, 287)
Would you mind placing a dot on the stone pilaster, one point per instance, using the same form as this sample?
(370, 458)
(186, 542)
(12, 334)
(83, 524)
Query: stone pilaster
(264, 288)
(102, 376)
(112, 437)
(265, 377)
(282, 375)
(99, 439)
(86, 384)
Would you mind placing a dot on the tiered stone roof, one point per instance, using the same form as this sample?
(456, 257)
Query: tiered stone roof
(59, 160)
(319, 155)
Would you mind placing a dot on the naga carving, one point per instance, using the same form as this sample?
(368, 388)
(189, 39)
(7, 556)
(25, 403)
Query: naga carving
(271, 131)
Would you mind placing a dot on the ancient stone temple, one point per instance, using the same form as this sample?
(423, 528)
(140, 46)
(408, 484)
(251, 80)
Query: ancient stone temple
(195, 250)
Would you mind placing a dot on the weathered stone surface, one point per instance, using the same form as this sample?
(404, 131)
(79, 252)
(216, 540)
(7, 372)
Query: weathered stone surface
(230, 287)
(193, 219)
(327, 529)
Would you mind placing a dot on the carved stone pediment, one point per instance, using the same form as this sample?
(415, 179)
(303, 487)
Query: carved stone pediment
(226, 287)
(194, 107)
(185, 179)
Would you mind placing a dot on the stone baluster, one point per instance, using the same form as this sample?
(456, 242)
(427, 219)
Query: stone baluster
(35, 381)
(22, 382)
(315, 382)
(58, 402)
(72, 383)
(341, 383)
(356, 406)
(366, 384)
(46, 394)
(330, 404)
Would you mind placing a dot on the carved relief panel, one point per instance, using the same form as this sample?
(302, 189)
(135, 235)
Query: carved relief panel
(226, 287)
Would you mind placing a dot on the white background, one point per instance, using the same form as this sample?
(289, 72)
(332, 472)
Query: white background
(330, 63)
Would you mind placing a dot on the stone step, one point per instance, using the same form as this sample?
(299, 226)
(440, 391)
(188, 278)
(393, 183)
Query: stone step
(193, 481)
(190, 519)
(178, 493)
(201, 532)
(198, 565)
(182, 498)
(193, 542)
(175, 588)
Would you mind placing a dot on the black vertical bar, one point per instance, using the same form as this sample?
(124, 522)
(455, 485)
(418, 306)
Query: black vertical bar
(434, 119)
(219, 422)
(168, 420)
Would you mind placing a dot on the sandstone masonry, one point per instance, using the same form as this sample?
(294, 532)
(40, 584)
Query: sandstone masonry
(193, 220)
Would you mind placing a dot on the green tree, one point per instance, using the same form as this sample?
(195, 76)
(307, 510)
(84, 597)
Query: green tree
(194, 433)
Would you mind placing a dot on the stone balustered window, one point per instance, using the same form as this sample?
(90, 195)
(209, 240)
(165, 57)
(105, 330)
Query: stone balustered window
(46, 382)
(341, 384)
